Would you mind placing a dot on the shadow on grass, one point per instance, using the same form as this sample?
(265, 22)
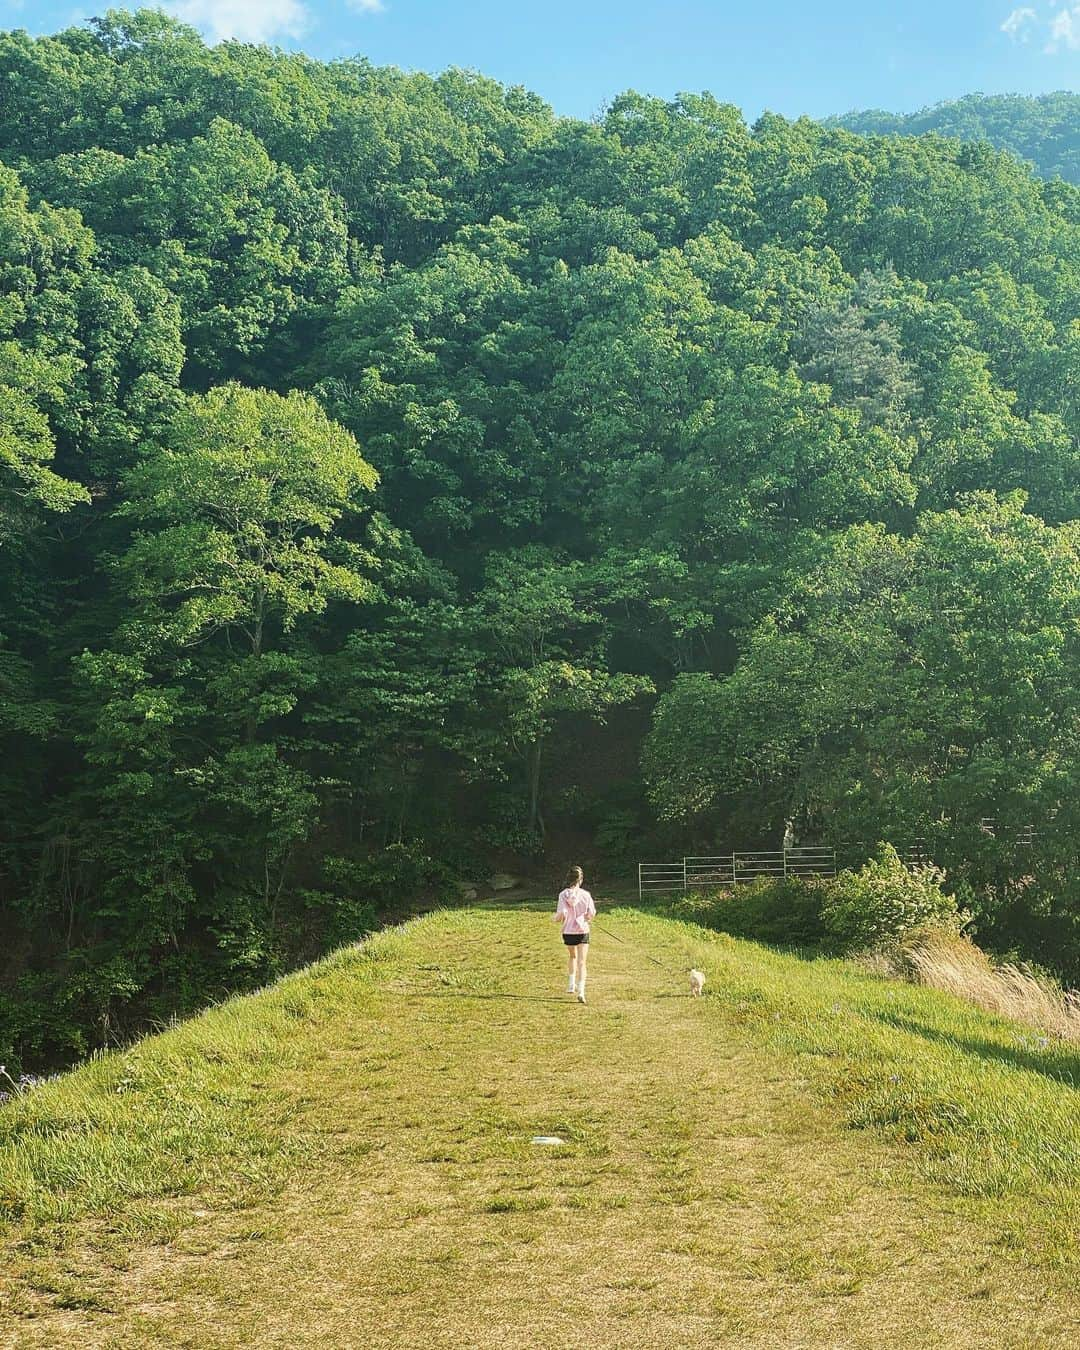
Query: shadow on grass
(521, 998)
(1055, 1060)
(1063, 1067)
(465, 993)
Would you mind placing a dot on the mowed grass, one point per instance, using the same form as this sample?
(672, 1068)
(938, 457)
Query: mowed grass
(808, 1156)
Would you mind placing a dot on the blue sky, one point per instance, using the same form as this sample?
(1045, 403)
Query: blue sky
(793, 56)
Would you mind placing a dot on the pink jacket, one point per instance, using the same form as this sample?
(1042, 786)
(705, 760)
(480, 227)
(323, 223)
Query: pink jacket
(575, 909)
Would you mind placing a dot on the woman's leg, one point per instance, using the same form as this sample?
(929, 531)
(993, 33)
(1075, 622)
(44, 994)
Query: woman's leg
(583, 956)
(571, 968)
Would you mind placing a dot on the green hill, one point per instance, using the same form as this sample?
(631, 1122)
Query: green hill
(399, 481)
(1044, 129)
(808, 1156)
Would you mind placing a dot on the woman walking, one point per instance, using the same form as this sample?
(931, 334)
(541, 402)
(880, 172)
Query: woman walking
(575, 910)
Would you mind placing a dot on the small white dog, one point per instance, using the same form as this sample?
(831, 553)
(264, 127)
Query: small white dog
(697, 983)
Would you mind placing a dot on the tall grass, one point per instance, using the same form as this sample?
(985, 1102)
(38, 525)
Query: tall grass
(941, 959)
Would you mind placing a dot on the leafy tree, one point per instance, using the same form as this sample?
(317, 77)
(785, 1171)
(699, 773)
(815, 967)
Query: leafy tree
(243, 498)
(903, 689)
(855, 350)
(540, 616)
(1041, 129)
(44, 257)
(192, 711)
(775, 422)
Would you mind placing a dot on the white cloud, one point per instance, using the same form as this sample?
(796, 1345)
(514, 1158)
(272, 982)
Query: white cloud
(245, 20)
(1059, 33)
(1018, 24)
(366, 6)
(1064, 31)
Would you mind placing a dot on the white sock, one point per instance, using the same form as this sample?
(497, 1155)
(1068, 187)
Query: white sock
(581, 985)
(570, 986)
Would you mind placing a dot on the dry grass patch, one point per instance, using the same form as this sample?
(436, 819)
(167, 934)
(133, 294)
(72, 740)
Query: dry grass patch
(947, 961)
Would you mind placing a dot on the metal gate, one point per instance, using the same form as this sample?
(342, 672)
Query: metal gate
(734, 869)
(704, 873)
(660, 878)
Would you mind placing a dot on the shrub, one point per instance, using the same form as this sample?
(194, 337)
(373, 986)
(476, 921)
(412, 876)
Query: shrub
(1032, 918)
(392, 879)
(618, 834)
(344, 918)
(883, 900)
(870, 907)
(361, 893)
(786, 911)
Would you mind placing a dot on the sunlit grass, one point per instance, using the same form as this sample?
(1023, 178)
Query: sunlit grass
(346, 1157)
(193, 1108)
(992, 1105)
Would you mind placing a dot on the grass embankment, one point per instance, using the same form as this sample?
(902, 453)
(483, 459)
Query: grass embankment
(948, 961)
(344, 1160)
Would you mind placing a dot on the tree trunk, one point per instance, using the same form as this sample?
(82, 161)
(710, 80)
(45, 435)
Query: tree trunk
(535, 755)
(256, 651)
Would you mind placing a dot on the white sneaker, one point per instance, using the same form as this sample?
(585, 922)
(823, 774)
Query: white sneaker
(581, 995)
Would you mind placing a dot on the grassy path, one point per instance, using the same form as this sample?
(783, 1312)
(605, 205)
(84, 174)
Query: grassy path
(710, 1192)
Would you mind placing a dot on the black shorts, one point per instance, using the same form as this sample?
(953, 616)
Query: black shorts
(575, 939)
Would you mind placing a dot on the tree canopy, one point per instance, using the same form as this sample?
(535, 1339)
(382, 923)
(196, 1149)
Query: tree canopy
(398, 480)
(1045, 130)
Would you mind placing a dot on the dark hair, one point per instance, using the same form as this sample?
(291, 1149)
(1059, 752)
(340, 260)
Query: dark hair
(575, 876)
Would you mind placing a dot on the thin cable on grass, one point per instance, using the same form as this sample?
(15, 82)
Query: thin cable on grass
(672, 970)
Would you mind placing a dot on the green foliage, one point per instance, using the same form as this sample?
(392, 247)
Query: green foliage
(239, 503)
(786, 911)
(912, 686)
(44, 259)
(884, 900)
(1042, 129)
(379, 450)
(618, 835)
(394, 879)
(876, 904)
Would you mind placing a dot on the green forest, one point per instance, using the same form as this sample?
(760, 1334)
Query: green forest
(398, 481)
(1043, 130)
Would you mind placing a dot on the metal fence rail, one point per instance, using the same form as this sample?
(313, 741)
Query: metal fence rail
(810, 862)
(751, 866)
(702, 873)
(734, 869)
(661, 877)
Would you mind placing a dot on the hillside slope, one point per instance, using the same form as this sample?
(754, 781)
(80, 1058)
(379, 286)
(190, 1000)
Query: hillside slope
(345, 1159)
(654, 400)
(1044, 129)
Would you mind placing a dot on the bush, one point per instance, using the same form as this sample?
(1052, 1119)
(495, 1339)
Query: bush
(884, 900)
(1030, 918)
(341, 918)
(786, 911)
(391, 880)
(618, 834)
(871, 907)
